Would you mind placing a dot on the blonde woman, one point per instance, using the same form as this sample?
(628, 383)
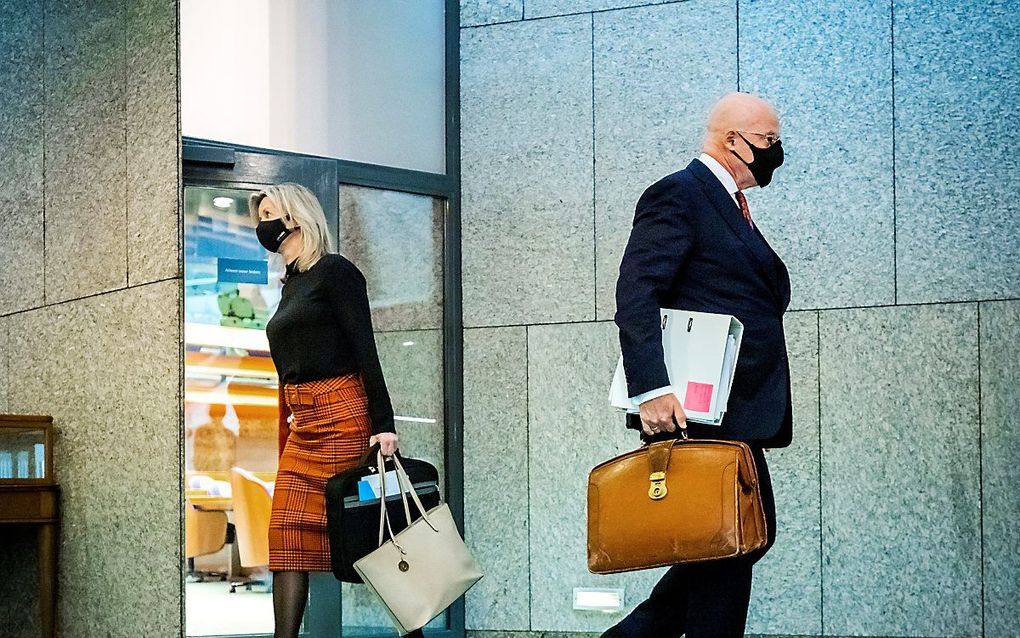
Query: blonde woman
(333, 399)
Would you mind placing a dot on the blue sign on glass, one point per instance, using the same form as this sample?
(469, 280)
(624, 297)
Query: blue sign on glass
(242, 271)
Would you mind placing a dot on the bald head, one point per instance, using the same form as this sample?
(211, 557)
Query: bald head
(735, 114)
(740, 112)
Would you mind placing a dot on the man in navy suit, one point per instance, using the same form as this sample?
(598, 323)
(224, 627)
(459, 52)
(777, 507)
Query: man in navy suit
(694, 246)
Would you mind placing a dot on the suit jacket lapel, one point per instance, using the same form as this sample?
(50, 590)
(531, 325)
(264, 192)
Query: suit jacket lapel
(730, 212)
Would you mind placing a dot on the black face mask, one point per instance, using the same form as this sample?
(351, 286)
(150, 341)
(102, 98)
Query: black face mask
(271, 233)
(764, 161)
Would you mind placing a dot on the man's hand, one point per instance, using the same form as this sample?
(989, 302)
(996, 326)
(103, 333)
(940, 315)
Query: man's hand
(387, 442)
(662, 414)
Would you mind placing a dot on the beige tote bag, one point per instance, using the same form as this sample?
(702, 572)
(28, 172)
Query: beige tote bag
(422, 570)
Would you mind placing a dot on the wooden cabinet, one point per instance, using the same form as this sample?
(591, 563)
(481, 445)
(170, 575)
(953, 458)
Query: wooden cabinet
(29, 496)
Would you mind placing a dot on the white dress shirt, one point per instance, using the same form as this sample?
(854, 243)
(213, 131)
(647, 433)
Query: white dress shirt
(721, 174)
(730, 185)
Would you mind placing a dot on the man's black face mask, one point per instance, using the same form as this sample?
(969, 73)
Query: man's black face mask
(764, 161)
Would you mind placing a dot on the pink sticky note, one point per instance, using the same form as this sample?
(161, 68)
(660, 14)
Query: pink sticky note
(698, 397)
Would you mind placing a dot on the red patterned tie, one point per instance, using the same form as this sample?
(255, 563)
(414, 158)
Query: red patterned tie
(743, 208)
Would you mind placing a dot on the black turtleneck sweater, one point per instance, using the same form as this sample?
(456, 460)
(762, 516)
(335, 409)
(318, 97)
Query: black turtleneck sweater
(323, 328)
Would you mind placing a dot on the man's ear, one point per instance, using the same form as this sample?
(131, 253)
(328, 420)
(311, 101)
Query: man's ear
(731, 144)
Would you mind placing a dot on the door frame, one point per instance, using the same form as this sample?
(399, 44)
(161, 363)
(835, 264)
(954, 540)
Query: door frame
(212, 163)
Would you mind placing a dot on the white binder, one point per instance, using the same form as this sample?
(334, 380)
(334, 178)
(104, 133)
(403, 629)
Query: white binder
(700, 350)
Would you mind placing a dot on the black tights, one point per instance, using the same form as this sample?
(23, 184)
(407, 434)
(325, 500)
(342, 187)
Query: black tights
(290, 592)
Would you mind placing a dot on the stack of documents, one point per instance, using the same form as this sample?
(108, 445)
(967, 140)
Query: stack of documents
(700, 351)
(369, 487)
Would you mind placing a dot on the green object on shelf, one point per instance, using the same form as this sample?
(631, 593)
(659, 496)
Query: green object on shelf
(258, 324)
(225, 299)
(241, 307)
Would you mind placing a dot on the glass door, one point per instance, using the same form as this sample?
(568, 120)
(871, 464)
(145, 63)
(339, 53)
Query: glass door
(232, 287)
(230, 414)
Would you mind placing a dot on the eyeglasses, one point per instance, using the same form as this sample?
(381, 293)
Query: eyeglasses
(769, 138)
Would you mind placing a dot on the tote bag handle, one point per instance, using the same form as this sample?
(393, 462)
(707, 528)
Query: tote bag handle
(403, 485)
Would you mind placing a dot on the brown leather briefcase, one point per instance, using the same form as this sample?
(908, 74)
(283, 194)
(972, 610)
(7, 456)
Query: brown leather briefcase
(677, 501)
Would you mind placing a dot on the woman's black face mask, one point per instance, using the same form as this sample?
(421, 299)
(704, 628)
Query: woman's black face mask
(764, 161)
(271, 233)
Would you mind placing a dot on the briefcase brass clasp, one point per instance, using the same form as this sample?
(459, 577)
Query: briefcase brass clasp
(657, 490)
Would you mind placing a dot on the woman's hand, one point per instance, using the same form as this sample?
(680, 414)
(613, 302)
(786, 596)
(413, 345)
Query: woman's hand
(387, 441)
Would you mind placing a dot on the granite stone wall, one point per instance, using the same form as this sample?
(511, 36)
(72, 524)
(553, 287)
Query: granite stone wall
(895, 213)
(90, 309)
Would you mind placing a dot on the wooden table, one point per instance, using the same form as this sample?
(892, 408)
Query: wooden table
(38, 505)
(209, 503)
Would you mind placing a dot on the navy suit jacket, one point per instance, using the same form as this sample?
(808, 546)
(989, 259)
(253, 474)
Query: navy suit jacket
(690, 248)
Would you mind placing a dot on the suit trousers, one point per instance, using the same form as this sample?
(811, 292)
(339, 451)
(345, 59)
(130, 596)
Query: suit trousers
(706, 599)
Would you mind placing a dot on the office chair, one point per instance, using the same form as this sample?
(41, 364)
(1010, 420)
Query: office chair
(204, 533)
(253, 503)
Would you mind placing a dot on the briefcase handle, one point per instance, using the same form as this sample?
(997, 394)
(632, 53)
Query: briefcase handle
(683, 435)
(367, 457)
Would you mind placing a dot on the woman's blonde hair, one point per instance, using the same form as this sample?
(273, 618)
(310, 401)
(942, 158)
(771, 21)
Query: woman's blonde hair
(298, 206)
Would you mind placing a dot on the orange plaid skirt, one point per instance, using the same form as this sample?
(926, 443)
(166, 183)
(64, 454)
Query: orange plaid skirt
(328, 434)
